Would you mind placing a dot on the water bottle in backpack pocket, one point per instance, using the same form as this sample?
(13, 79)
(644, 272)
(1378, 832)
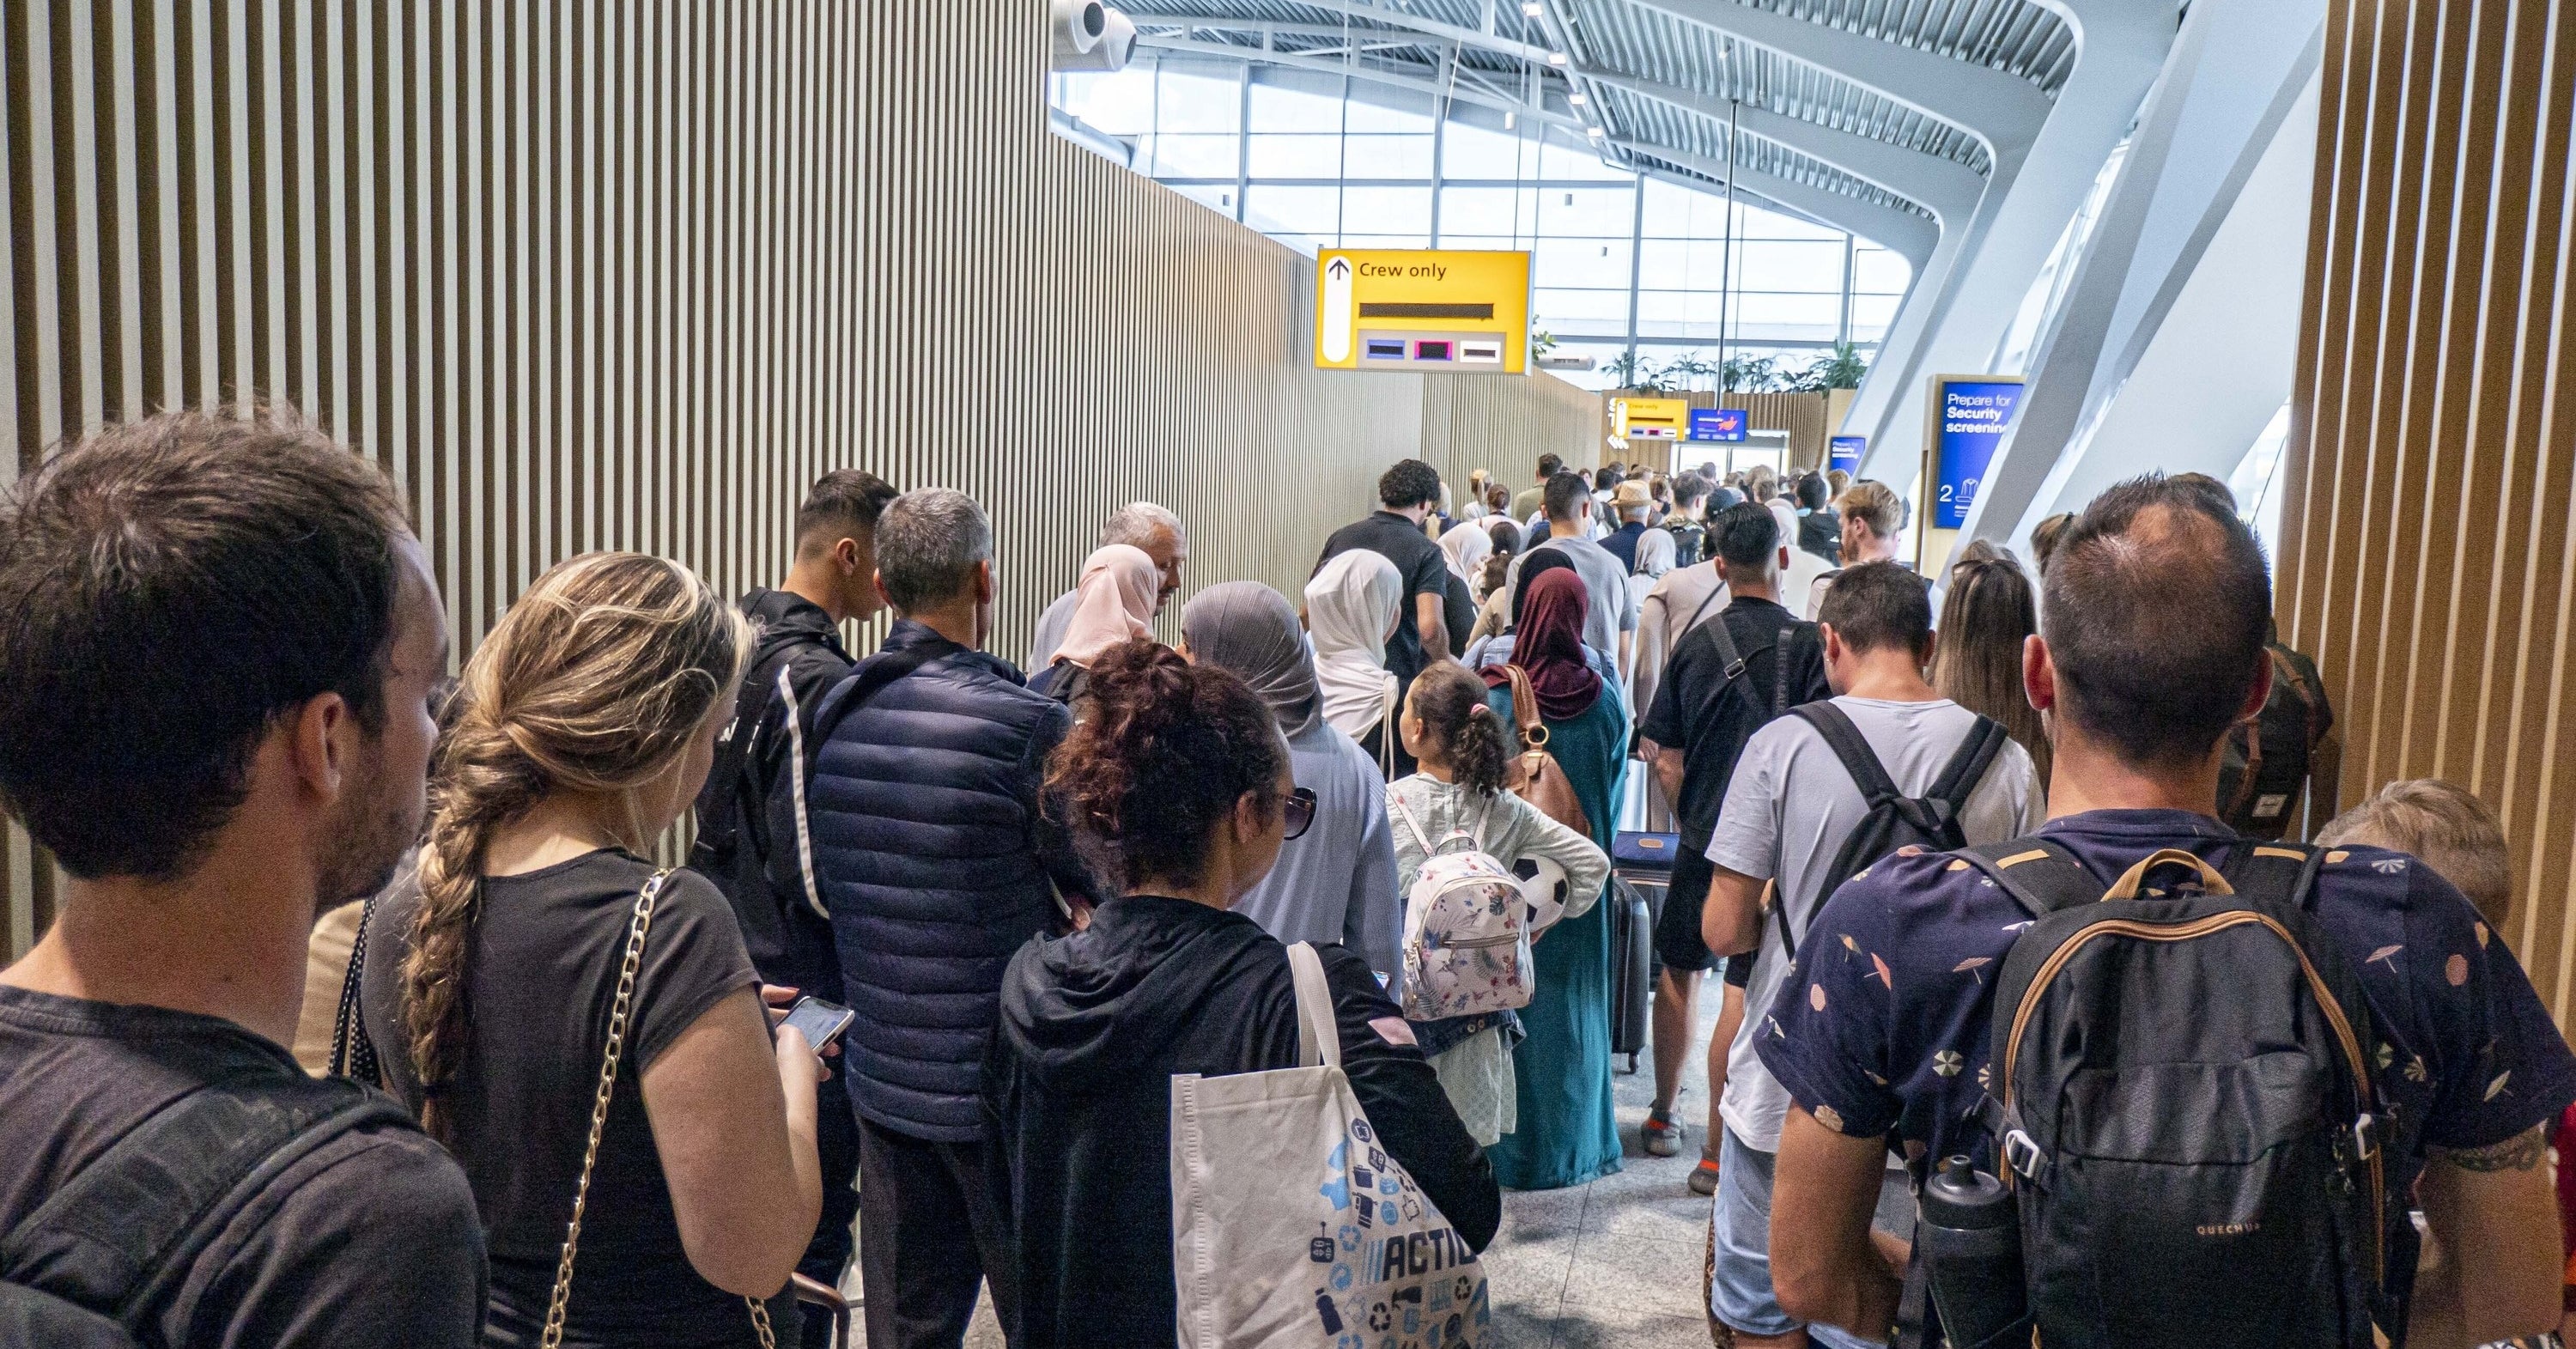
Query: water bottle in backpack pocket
(2182, 1106)
(1468, 921)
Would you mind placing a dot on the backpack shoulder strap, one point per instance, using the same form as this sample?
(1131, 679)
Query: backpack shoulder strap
(1405, 812)
(2039, 875)
(1968, 765)
(1849, 745)
(125, 1229)
(2285, 873)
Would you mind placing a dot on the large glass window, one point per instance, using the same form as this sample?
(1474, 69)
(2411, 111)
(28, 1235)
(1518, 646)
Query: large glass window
(1620, 263)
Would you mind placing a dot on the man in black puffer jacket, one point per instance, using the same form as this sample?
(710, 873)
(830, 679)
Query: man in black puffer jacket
(936, 864)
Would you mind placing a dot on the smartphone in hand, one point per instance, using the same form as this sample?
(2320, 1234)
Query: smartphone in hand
(821, 1021)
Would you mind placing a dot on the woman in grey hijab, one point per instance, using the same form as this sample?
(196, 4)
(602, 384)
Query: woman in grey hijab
(1335, 882)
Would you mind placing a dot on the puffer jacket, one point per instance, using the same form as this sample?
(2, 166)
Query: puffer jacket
(935, 864)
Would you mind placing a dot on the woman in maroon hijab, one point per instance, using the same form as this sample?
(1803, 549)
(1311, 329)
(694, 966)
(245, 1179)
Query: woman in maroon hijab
(1566, 1133)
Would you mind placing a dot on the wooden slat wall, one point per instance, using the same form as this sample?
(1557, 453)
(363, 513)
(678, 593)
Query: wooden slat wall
(2424, 556)
(630, 273)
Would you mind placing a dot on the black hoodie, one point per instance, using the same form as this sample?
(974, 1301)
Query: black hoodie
(1077, 1094)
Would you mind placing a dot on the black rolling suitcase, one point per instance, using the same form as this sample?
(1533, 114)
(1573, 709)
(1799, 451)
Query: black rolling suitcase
(1632, 968)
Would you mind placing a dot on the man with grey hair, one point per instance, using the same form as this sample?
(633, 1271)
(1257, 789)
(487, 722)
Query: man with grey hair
(936, 863)
(1138, 524)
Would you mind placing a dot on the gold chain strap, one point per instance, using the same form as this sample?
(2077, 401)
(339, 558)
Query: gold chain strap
(618, 1014)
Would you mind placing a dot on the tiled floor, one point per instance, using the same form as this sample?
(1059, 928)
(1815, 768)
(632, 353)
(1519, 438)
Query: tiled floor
(1616, 1263)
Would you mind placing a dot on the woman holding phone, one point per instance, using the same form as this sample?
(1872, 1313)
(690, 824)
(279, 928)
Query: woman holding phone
(679, 1147)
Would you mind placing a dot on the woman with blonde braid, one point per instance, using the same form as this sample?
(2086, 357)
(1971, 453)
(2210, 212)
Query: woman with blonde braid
(587, 721)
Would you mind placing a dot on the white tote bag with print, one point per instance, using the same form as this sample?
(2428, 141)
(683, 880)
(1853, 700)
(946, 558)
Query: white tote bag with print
(1291, 1226)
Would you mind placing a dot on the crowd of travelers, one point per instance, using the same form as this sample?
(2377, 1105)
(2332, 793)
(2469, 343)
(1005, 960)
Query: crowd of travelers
(1212, 993)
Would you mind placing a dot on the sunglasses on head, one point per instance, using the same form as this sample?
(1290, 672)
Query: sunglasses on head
(1298, 812)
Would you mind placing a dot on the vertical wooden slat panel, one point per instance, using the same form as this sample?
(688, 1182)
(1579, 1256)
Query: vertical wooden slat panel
(2426, 552)
(588, 273)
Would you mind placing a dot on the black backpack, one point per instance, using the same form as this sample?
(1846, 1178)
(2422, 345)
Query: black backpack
(2267, 760)
(731, 797)
(1895, 820)
(95, 1265)
(2181, 1099)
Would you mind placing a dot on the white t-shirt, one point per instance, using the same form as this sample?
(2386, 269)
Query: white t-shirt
(1788, 809)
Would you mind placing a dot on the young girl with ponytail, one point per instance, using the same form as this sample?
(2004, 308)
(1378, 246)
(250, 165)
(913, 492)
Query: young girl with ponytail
(1465, 753)
(493, 985)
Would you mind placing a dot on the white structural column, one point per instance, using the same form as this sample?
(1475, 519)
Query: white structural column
(1962, 304)
(2177, 338)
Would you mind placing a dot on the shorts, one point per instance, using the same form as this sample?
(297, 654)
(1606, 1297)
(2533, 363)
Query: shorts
(1739, 1282)
(1677, 939)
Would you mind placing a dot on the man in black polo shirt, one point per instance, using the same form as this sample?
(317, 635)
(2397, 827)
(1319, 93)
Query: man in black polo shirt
(1726, 679)
(1407, 492)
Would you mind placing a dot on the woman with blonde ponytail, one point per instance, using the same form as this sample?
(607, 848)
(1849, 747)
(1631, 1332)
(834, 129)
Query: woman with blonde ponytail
(585, 725)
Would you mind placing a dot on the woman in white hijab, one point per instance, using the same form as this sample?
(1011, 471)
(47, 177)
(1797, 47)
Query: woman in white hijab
(1468, 543)
(1351, 608)
(1654, 558)
(1113, 604)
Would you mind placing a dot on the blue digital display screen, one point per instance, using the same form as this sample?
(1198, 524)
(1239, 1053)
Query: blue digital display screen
(1975, 415)
(1717, 424)
(1846, 452)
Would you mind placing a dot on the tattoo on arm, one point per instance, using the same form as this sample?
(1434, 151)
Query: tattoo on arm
(2522, 1152)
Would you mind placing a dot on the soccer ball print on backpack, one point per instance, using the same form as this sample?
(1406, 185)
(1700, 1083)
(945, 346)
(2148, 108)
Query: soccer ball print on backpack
(1293, 1228)
(1468, 923)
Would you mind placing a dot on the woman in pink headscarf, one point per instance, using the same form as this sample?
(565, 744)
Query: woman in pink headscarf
(1113, 604)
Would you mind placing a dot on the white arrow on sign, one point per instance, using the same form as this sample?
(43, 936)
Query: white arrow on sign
(1336, 336)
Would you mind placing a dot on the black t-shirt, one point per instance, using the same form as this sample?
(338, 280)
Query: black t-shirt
(370, 1239)
(1417, 559)
(541, 980)
(1695, 713)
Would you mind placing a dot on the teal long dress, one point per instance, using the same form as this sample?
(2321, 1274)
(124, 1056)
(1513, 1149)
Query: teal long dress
(1567, 1132)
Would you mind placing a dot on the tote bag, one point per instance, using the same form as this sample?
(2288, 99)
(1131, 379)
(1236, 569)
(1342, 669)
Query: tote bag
(1291, 1226)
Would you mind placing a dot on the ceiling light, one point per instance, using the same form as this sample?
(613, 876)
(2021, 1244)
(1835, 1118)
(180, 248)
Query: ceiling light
(1556, 58)
(1576, 98)
(1532, 8)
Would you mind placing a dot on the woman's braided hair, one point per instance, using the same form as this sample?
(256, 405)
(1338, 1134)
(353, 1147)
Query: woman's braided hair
(595, 681)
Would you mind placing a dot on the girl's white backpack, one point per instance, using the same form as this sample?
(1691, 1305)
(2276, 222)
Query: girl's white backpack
(1467, 926)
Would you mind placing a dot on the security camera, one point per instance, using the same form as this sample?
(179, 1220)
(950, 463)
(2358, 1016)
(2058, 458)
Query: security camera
(1117, 40)
(1074, 26)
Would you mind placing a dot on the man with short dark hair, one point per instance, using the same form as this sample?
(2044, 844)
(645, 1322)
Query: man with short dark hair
(759, 760)
(1728, 677)
(2466, 1067)
(218, 641)
(1820, 530)
(1789, 809)
(1531, 499)
(1610, 617)
(1406, 494)
(1141, 525)
(936, 863)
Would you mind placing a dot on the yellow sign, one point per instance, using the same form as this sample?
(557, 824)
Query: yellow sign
(1422, 309)
(1648, 418)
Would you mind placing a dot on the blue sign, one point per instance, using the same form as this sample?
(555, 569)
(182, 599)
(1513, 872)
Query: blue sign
(1975, 415)
(1846, 453)
(1717, 424)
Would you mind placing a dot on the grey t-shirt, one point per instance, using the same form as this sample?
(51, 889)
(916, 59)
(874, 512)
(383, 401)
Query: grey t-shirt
(540, 983)
(370, 1239)
(1790, 806)
(1612, 608)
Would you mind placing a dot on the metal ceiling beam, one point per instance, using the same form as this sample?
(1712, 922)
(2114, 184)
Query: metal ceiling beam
(1459, 92)
(2003, 110)
(1446, 32)
(1909, 234)
(1944, 187)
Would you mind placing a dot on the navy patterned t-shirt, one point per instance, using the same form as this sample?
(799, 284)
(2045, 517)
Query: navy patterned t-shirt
(1882, 1027)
